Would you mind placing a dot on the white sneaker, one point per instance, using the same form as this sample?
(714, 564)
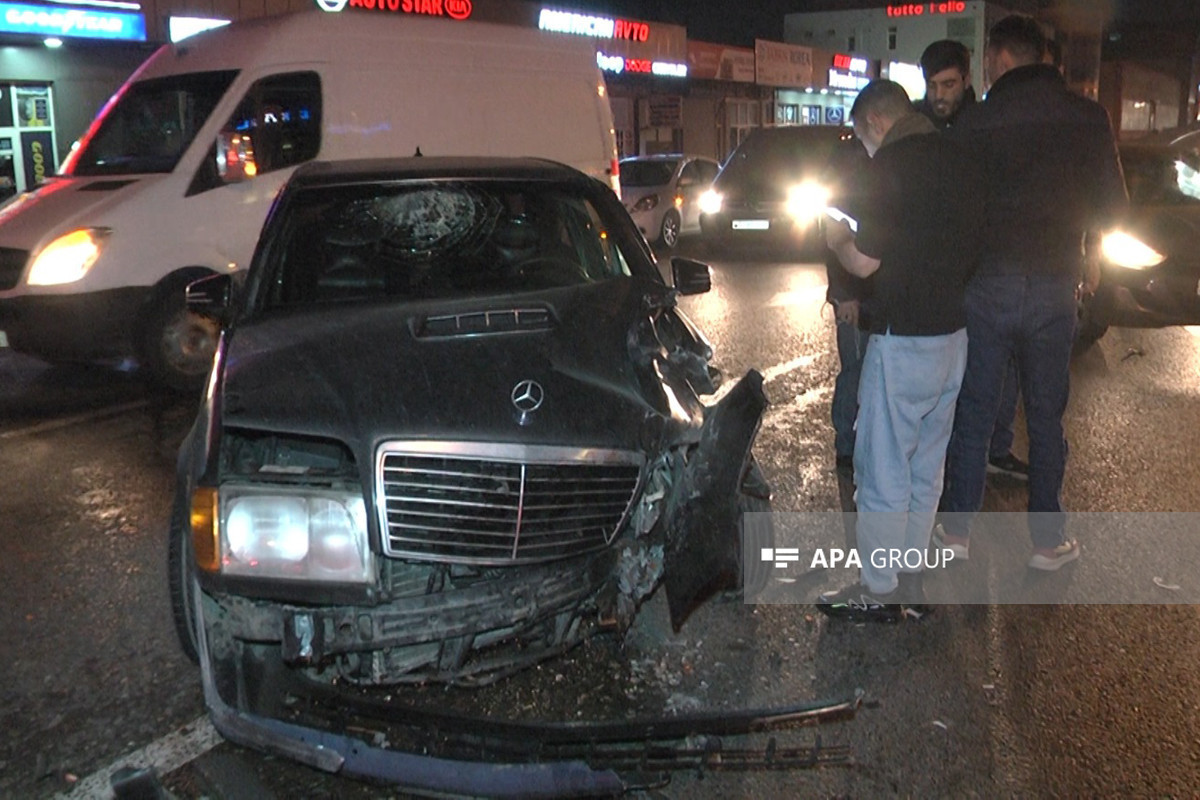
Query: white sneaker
(1050, 560)
(959, 546)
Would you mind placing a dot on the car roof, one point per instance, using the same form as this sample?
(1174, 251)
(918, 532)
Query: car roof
(371, 170)
(665, 157)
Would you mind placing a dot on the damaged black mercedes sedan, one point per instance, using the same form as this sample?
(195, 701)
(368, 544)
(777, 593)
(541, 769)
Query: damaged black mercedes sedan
(454, 427)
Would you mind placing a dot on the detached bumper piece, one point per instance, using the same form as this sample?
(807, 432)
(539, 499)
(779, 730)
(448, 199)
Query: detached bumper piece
(442, 752)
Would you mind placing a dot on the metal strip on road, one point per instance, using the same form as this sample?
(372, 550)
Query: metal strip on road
(166, 755)
(77, 419)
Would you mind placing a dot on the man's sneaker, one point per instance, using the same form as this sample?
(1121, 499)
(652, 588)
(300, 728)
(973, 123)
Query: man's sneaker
(1009, 465)
(859, 604)
(1051, 558)
(959, 546)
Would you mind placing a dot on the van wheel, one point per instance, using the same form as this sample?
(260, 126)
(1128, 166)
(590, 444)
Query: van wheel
(755, 532)
(181, 580)
(668, 234)
(176, 347)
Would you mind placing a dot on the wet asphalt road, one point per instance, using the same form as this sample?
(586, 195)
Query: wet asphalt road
(981, 700)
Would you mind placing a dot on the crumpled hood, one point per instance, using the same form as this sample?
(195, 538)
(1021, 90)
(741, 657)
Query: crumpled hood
(58, 205)
(367, 374)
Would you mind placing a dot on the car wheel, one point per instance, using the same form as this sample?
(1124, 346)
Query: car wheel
(181, 580)
(176, 346)
(668, 235)
(755, 532)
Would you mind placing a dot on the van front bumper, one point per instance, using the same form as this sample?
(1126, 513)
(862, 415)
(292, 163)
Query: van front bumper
(93, 326)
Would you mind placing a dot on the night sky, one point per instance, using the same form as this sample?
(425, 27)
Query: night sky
(740, 22)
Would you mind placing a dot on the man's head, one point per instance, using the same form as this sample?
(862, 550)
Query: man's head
(876, 109)
(947, 68)
(1014, 41)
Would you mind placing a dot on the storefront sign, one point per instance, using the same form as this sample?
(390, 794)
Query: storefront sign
(844, 80)
(83, 23)
(665, 111)
(37, 151)
(850, 63)
(598, 27)
(619, 64)
(720, 62)
(921, 9)
(454, 9)
(779, 64)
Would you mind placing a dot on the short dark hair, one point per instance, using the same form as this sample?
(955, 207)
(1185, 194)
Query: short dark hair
(944, 54)
(1021, 36)
(881, 96)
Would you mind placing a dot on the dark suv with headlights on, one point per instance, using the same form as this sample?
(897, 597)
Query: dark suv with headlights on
(771, 189)
(1150, 267)
(454, 426)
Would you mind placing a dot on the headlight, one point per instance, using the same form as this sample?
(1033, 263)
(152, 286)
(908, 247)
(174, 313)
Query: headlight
(807, 200)
(1125, 250)
(710, 202)
(284, 533)
(646, 203)
(68, 258)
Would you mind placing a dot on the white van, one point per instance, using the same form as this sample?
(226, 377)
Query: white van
(173, 179)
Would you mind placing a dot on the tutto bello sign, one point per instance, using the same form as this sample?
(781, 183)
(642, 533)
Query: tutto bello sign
(921, 9)
(454, 9)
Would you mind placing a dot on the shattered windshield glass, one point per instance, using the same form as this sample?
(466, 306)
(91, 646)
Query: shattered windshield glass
(410, 241)
(149, 125)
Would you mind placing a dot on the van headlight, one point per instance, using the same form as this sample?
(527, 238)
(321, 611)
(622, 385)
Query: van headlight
(68, 258)
(285, 533)
(711, 201)
(807, 201)
(1126, 250)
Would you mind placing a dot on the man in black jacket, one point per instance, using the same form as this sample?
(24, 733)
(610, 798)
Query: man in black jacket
(946, 65)
(1053, 181)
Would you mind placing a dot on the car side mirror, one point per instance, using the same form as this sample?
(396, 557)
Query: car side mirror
(690, 277)
(235, 157)
(211, 297)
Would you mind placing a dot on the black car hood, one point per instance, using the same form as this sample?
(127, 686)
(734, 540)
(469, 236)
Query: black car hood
(1173, 230)
(368, 374)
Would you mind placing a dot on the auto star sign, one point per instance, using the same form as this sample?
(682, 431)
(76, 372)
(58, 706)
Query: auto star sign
(455, 9)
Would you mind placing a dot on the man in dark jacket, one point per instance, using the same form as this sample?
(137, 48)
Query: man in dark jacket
(917, 235)
(1053, 181)
(946, 65)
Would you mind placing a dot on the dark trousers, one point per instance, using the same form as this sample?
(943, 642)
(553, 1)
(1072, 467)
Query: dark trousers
(1030, 319)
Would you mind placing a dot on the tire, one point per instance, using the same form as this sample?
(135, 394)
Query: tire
(181, 580)
(668, 233)
(754, 533)
(175, 346)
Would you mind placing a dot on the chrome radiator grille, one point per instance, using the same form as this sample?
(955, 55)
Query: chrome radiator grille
(501, 504)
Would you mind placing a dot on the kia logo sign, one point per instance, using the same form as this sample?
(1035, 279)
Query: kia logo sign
(458, 9)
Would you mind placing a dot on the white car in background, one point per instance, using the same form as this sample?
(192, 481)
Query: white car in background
(662, 193)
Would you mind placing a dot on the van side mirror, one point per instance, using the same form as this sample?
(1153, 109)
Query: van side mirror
(690, 277)
(235, 157)
(211, 297)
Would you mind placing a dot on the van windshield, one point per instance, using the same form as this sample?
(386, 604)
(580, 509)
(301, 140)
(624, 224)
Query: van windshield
(149, 125)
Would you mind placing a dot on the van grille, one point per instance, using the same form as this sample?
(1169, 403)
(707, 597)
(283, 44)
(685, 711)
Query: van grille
(501, 504)
(12, 262)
